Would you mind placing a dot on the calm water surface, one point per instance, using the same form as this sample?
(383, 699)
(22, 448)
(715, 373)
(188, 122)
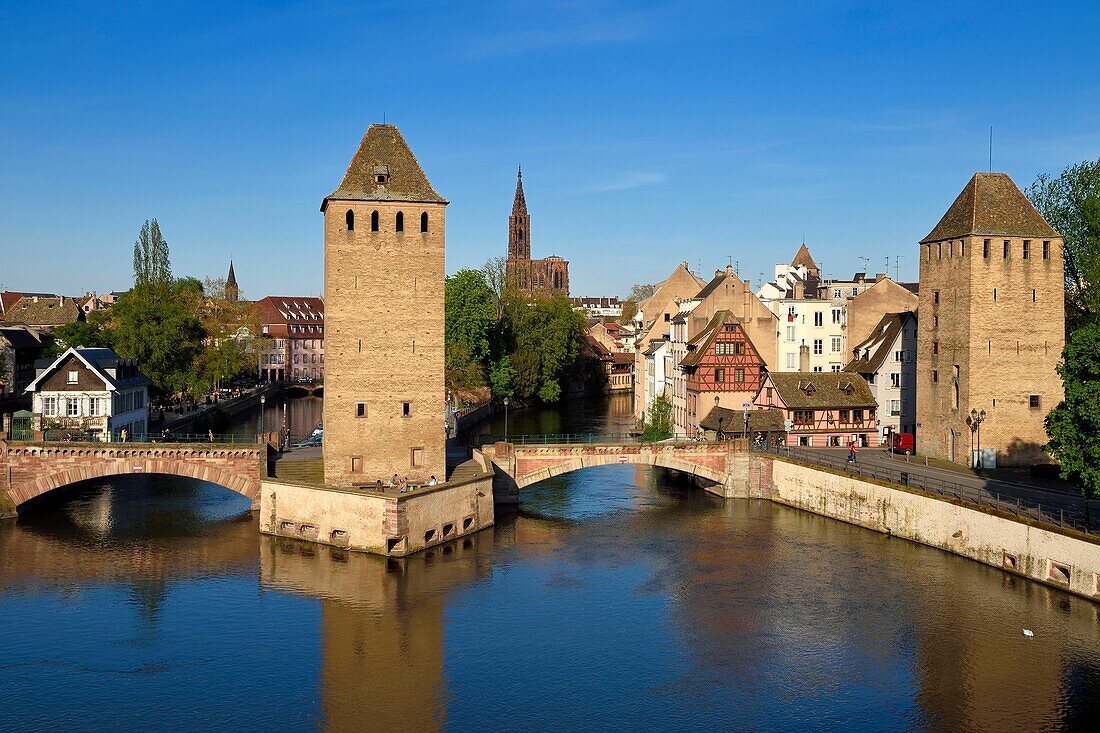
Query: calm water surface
(616, 598)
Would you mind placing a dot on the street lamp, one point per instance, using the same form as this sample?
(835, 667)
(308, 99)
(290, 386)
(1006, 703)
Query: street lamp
(745, 407)
(505, 419)
(263, 399)
(975, 422)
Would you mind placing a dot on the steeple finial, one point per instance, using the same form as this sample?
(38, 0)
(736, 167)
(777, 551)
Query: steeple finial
(519, 205)
(231, 289)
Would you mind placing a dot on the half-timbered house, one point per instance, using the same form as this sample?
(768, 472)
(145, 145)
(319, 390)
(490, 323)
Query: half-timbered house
(824, 409)
(722, 367)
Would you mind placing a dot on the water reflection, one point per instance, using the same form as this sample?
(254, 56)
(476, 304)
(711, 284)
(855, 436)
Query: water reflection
(615, 598)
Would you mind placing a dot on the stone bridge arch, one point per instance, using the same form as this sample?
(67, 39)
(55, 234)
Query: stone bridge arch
(519, 466)
(33, 469)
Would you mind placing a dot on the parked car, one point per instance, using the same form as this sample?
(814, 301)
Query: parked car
(903, 443)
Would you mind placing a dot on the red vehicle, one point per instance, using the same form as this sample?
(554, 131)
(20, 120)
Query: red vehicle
(902, 443)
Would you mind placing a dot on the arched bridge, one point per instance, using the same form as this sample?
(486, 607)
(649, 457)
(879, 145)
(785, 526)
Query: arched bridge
(28, 470)
(524, 462)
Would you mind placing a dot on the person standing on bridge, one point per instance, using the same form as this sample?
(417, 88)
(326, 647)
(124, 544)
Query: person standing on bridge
(122, 435)
(851, 451)
(210, 435)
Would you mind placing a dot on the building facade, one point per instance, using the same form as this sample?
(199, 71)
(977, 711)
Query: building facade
(292, 343)
(991, 328)
(93, 393)
(722, 368)
(549, 276)
(887, 360)
(822, 409)
(21, 346)
(384, 388)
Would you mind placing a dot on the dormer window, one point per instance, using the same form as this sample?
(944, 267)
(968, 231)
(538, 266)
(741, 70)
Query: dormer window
(380, 178)
(381, 175)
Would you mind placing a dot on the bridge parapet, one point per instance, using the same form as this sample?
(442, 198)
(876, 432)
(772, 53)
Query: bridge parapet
(526, 464)
(32, 469)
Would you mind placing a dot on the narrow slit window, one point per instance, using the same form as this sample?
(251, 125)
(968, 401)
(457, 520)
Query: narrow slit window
(985, 249)
(1046, 250)
(424, 222)
(399, 224)
(349, 220)
(374, 221)
(1027, 249)
(406, 409)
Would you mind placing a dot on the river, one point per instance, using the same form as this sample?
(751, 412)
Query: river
(615, 598)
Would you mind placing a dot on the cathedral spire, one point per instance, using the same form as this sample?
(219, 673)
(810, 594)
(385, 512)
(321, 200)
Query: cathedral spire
(519, 205)
(519, 225)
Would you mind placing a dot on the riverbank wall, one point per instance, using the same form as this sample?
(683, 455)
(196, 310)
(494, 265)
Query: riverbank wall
(228, 408)
(1061, 558)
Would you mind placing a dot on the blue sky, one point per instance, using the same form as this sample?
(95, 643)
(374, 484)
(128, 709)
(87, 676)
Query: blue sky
(649, 133)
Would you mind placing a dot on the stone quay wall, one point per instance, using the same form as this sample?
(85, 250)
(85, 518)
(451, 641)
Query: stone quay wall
(1066, 560)
(378, 522)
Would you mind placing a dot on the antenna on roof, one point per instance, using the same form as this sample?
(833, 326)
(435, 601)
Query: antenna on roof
(866, 261)
(737, 268)
(897, 268)
(991, 148)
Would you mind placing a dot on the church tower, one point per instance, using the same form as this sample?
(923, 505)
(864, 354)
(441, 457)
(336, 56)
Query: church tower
(384, 249)
(519, 225)
(991, 326)
(232, 292)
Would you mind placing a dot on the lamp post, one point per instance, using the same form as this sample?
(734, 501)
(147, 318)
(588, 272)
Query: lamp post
(745, 407)
(975, 422)
(263, 400)
(505, 419)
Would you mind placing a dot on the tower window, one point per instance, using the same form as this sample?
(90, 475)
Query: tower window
(349, 220)
(400, 223)
(936, 296)
(1033, 295)
(406, 409)
(361, 409)
(939, 251)
(424, 222)
(985, 249)
(380, 178)
(519, 234)
(935, 376)
(374, 221)
(1027, 249)
(994, 295)
(935, 347)
(1033, 401)
(1046, 250)
(1006, 249)
(962, 248)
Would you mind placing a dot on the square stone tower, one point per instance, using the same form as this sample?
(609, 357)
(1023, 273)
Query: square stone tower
(991, 326)
(384, 390)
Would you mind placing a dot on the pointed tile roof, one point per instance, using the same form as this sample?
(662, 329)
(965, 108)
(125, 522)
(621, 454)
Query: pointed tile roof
(802, 257)
(231, 278)
(384, 154)
(991, 204)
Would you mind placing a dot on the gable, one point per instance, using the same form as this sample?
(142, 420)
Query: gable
(58, 379)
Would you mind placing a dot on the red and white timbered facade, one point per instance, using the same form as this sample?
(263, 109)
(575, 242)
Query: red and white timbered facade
(722, 368)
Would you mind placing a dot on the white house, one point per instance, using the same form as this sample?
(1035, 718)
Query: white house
(93, 392)
(887, 359)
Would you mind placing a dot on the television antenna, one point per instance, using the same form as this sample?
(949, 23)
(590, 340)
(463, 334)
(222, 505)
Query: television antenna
(866, 261)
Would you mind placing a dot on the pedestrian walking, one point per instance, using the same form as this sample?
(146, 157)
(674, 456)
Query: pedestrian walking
(851, 451)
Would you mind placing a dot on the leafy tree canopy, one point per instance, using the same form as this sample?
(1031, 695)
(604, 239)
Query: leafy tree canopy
(1074, 425)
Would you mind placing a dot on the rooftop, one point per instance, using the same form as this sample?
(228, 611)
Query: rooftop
(384, 169)
(991, 204)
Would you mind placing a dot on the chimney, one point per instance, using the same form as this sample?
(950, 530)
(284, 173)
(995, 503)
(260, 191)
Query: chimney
(803, 358)
(729, 270)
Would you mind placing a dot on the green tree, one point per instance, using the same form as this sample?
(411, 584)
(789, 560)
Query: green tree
(641, 291)
(470, 312)
(93, 333)
(1069, 204)
(152, 269)
(657, 423)
(630, 309)
(1074, 425)
(158, 321)
(502, 378)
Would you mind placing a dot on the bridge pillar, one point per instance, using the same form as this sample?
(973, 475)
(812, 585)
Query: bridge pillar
(7, 504)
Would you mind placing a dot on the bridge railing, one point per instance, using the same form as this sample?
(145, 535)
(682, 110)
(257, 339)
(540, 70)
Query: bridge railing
(75, 436)
(613, 438)
(1018, 506)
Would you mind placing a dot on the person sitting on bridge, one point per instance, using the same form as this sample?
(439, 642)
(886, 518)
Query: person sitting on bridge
(433, 482)
(393, 481)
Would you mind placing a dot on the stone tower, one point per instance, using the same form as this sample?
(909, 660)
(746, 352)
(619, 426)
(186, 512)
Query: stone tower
(384, 245)
(991, 327)
(519, 225)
